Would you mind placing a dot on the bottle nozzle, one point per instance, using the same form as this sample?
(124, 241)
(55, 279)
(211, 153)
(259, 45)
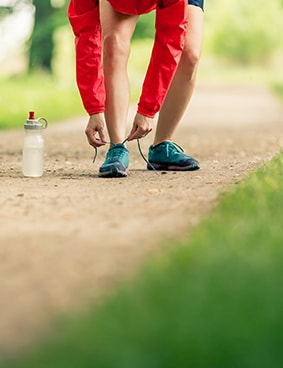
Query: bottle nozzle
(31, 115)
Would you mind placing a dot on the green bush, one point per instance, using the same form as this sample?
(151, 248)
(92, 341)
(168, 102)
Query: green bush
(145, 27)
(41, 93)
(57, 97)
(244, 31)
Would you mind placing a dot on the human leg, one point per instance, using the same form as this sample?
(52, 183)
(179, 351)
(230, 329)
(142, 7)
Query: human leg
(170, 24)
(117, 31)
(163, 154)
(182, 86)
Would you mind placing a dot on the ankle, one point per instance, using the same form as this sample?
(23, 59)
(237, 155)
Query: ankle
(120, 142)
(156, 142)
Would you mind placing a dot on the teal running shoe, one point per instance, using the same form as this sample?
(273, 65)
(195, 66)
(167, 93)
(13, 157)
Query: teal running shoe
(116, 162)
(169, 156)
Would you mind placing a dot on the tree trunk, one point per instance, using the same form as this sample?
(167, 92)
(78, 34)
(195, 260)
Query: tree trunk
(42, 44)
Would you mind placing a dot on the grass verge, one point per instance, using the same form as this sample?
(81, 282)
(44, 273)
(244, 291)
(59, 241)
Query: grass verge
(40, 93)
(214, 301)
(57, 97)
(278, 89)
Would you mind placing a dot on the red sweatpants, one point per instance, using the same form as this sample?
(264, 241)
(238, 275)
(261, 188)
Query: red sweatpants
(171, 22)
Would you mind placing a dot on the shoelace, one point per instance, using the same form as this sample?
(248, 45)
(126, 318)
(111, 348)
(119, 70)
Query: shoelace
(112, 144)
(173, 147)
(139, 148)
(116, 152)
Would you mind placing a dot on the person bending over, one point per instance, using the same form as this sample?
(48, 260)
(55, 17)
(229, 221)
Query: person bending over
(103, 33)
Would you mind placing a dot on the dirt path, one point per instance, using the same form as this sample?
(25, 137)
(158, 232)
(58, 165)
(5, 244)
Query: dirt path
(69, 236)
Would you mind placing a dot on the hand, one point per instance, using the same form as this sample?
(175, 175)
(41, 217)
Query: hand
(95, 125)
(142, 125)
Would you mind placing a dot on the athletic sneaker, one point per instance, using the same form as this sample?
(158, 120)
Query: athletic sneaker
(116, 162)
(170, 156)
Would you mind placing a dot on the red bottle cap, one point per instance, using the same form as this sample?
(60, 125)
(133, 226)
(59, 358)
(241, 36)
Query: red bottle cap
(31, 115)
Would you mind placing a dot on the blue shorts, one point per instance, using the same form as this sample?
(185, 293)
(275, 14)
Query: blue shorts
(196, 3)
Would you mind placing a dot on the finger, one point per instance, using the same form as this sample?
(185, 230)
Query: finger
(132, 134)
(102, 135)
(139, 133)
(92, 140)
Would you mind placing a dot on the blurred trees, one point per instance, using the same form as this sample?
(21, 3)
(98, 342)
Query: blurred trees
(41, 42)
(241, 31)
(49, 15)
(244, 31)
(145, 27)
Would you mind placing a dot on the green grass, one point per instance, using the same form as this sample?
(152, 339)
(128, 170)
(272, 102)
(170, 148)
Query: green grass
(56, 97)
(139, 58)
(214, 301)
(41, 93)
(278, 89)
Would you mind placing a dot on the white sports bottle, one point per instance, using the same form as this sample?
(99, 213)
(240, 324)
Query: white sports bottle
(33, 150)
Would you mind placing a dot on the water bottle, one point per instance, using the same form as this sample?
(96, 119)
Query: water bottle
(33, 149)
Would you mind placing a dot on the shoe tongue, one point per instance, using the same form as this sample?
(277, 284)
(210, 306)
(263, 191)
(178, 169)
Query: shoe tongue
(118, 145)
(117, 149)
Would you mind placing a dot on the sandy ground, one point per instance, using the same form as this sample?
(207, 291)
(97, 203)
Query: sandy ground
(70, 236)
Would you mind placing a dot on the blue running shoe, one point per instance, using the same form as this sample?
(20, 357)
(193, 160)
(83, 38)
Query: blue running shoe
(170, 156)
(116, 162)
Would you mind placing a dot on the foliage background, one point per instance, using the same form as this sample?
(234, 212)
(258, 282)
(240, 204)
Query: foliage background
(243, 41)
(244, 32)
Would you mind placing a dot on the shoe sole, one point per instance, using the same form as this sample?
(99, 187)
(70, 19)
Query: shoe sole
(114, 173)
(165, 167)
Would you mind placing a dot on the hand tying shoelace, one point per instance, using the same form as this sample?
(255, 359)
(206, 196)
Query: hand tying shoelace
(139, 148)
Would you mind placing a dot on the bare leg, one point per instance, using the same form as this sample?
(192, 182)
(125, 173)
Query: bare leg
(182, 86)
(117, 31)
